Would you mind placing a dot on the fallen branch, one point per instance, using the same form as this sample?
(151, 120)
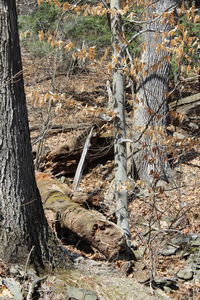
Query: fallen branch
(81, 163)
(64, 127)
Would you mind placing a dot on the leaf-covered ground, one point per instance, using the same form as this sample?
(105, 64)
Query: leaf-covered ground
(164, 223)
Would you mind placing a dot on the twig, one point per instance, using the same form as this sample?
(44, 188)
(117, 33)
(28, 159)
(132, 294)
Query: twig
(64, 127)
(28, 259)
(136, 35)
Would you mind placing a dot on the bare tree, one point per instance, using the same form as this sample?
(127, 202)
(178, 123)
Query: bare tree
(23, 227)
(120, 154)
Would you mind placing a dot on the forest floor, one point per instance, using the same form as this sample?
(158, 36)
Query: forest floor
(164, 224)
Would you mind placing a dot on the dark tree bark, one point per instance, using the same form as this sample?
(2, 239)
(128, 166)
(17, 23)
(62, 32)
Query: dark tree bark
(23, 227)
(150, 116)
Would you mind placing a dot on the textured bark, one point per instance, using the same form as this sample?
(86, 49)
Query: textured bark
(120, 154)
(90, 225)
(23, 227)
(151, 108)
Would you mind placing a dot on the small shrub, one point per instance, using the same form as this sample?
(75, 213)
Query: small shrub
(39, 48)
(92, 30)
(43, 18)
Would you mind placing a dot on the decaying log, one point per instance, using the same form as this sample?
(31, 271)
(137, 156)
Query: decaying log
(185, 113)
(64, 160)
(90, 225)
(60, 128)
(55, 129)
(184, 105)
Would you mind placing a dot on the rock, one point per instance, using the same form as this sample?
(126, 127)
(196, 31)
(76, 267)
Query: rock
(167, 289)
(109, 286)
(78, 294)
(197, 276)
(180, 240)
(169, 250)
(127, 267)
(185, 255)
(186, 273)
(78, 260)
(139, 253)
(16, 270)
(195, 240)
(14, 287)
(165, 282)
(194, 260)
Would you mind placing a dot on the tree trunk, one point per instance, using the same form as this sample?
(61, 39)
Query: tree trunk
(23, 227)
(121, 193)
(150, 115)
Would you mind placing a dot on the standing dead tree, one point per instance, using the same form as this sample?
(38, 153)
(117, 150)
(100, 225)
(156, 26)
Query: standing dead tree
(151, 108)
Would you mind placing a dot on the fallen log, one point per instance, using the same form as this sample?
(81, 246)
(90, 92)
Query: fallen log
(90, 225)
(184, 113)
(64, 160)
(185, 105)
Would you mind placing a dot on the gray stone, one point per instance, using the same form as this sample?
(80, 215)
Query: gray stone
(14, 287)
(80, 294)
(197, 275)
(165, 282)
(194, 260)
(167, 289)
(139, 253)
(169, 250)
(180, 240)
(185, 274)
(195, 242)
(193, 236)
